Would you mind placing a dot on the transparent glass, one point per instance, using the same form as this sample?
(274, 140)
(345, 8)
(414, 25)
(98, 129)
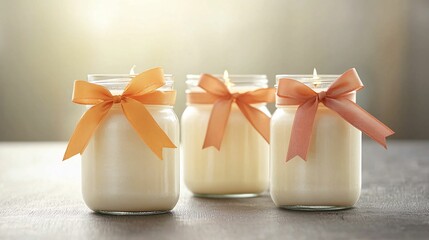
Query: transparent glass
(330, 179)
(240, 168)
(120, 174)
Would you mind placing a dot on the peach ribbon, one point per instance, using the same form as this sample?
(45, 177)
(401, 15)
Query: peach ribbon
(337, 98)
(218, 94)
(141, 90)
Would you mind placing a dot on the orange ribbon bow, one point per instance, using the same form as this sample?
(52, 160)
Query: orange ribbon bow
(218, 95)
(141, 90)
(292, 92)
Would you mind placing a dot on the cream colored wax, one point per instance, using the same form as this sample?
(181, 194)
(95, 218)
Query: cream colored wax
(240, 167)
(121, 174)
(331, 176)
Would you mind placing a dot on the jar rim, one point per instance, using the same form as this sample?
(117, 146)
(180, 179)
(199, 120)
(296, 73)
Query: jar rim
(233, 77)
(239, 79)
(120, 81)
(120, 78)
(308, 78)
(323, 80)
(118, 75)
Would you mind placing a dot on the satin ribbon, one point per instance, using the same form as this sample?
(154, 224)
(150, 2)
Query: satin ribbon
(222, 99)
(141, 90)
(337, 98)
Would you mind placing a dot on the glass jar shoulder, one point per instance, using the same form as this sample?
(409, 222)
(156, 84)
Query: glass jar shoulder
(192, 109)
(165, 113)
(287, 111)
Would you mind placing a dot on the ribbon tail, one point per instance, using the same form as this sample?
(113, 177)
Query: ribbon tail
(217, 123)
(302, 129)
(146, 126)
(85, 128)
(361, 119)
(259, 120)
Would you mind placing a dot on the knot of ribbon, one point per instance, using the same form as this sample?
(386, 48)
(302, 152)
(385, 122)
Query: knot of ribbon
(337, 98)
(140, 91)
(321, 96)
(117, 99)
(222, 99)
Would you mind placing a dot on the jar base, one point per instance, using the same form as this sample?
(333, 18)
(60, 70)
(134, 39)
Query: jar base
(315, 208)
(136, 213)
(238, 195)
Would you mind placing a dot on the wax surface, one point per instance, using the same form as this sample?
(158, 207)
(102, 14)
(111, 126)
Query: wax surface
(331, 176)
(240, 167)
(120, 173)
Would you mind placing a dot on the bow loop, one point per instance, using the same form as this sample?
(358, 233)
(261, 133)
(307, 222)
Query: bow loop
(89, 94)
(137, 92)
(348, 82)
(214, 86)
(292, 92)
(146, 82)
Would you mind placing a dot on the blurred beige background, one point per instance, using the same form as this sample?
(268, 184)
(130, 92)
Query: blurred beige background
(46, 45)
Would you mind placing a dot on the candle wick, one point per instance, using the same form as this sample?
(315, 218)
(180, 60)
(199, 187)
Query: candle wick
(316, 83)
(132, 70)
(228, 82)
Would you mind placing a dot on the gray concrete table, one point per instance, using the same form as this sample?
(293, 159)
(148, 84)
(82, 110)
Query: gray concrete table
(40, 199)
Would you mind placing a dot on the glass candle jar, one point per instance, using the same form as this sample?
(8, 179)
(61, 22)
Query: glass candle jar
(240, 168)
(120, 173)
(330, 178)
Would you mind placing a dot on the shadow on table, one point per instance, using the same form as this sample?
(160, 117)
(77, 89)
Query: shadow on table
(129, 225)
